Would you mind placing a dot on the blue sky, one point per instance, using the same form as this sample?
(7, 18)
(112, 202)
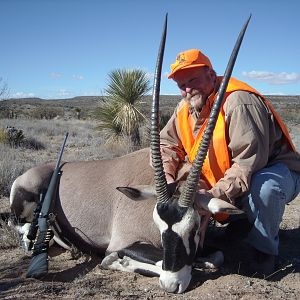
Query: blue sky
(64, 48)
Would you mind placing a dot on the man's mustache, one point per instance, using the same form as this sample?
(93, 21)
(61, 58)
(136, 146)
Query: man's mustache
(189, 96)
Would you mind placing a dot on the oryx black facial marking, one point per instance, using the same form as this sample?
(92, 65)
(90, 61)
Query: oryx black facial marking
(178, 235)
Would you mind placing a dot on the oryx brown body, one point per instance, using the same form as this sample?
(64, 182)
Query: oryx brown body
(89, 208)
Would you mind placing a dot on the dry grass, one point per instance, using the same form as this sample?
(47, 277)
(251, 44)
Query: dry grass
(42, 142)
(9, 238)
(3, 136)
(11, 166)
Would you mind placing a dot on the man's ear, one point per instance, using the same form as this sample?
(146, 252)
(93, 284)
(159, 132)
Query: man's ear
(213, 74)
(138, 192)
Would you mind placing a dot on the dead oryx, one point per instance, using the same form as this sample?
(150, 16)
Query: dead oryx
(150, 227)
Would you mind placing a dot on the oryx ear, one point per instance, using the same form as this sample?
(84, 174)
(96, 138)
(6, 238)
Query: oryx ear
(216, 205)
(138, 192)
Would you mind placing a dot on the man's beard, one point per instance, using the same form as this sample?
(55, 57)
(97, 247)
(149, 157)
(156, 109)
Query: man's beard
(197, 101)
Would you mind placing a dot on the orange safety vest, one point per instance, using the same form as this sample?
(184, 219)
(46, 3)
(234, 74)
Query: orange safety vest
(218, 158)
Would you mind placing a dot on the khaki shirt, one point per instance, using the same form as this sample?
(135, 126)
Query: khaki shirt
(254, 141)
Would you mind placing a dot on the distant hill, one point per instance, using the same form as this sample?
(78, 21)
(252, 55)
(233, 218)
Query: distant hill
(287, 106)
(41, 108)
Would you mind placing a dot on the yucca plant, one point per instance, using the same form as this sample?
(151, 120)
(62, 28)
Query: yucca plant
(106, 114)
(120, 114)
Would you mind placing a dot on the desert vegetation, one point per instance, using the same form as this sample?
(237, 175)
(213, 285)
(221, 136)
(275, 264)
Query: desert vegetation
(119, 113)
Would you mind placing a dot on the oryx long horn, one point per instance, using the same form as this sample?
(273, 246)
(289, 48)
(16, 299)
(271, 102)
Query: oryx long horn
(159, 174)
(187, 197)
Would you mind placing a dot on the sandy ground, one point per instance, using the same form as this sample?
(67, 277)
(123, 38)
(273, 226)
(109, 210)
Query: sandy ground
(83, 278)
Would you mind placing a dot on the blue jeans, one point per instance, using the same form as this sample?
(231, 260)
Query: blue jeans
(271, 189)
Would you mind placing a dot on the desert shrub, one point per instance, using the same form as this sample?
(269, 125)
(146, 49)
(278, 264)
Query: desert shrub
(120, 113)
(78, 113)
(12, 136)
(47, 113)
(15, 136)
(32, 143)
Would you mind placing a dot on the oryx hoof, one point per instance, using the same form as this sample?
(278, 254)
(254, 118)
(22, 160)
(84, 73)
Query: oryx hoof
(125, 261)
(109, 260)
(212, 261)
(22, 230)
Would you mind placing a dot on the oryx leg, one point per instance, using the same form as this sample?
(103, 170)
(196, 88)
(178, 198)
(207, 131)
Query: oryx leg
(22, 230)
(139, 258)
(21, 222)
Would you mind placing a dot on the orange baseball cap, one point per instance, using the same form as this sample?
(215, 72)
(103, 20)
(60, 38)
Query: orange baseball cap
(189, 59)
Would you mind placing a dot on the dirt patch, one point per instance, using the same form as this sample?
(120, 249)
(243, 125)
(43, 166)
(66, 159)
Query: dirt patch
(83, 278)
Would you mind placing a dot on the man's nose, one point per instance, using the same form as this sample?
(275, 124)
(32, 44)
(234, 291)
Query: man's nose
(188, 90)
(185, 91)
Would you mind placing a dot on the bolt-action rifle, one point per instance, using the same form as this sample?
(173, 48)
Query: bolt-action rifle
(40, 226)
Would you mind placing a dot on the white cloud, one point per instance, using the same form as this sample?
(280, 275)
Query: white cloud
(77, 77)
(23, 95)
(55, 75)
(272, 77)
(64, 93)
